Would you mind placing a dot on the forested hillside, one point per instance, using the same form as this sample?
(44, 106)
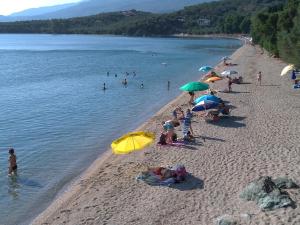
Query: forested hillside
(93, 7)
(277, 29)
(226, 16)
(274, 24)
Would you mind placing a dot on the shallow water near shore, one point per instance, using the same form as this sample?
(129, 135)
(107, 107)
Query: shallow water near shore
(56, 115)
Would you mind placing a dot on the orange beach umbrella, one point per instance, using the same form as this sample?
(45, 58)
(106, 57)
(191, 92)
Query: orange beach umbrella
(213, 79)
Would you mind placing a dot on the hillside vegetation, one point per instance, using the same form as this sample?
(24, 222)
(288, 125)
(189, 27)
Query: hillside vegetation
(274, 24)
(227, 16)
(277, 29)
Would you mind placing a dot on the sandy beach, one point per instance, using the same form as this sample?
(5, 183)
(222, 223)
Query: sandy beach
(260, 138)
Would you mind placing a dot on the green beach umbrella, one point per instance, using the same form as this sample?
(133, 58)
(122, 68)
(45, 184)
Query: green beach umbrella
(194, 86)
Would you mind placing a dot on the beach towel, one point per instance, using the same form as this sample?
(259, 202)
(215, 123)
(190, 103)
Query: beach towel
(152, 179)
(177, 143)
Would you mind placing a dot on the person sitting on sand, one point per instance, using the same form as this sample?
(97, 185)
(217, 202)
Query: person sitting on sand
(222, 108)
(168, 127)
(12, 169)
(210, 92)
(162, 139)
(189, 137)
(192, 96)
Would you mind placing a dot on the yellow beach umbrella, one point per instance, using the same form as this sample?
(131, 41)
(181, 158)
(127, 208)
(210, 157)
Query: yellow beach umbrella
(287, 69)
(213, 79)
(132, 141)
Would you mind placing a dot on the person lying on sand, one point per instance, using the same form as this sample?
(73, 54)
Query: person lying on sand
(177, 172)
(162, 172)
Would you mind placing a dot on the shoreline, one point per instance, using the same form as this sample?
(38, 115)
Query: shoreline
(226, 36)
(62, 209)
(69, 189)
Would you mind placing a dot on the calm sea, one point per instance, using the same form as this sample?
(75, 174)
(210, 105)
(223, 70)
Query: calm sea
(56, 115)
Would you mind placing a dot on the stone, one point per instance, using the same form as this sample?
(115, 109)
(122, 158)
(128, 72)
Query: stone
(268, 194)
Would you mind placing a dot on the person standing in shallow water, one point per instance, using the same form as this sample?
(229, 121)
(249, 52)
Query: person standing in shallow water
(168, 85)
(104, 87)
(125, 82)
(12, 169)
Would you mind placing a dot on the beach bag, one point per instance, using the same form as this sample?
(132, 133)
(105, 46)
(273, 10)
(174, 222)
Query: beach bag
(162, 139)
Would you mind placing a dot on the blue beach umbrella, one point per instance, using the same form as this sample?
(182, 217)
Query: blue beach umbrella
(205, 68)
(205, 105)
(207, 97)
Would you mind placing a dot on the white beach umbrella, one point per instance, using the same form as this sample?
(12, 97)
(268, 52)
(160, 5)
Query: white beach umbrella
(287, 69)
(226, 58)
(228, 72)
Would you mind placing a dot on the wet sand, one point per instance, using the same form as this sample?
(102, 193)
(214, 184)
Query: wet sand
(260, 138)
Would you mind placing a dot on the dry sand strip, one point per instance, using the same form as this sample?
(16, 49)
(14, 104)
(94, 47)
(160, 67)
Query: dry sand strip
(260, 138)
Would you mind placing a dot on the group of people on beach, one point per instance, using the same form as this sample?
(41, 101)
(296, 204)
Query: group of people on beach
(168, 135)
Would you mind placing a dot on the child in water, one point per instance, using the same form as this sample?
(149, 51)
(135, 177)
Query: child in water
(12, 169)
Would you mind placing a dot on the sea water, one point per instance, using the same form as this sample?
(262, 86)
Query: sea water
(57, 116)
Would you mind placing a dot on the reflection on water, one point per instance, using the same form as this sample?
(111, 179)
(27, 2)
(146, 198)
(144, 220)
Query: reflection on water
(13, 186)
(17, 182)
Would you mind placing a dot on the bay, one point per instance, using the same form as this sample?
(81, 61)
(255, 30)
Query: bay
(56, 115)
